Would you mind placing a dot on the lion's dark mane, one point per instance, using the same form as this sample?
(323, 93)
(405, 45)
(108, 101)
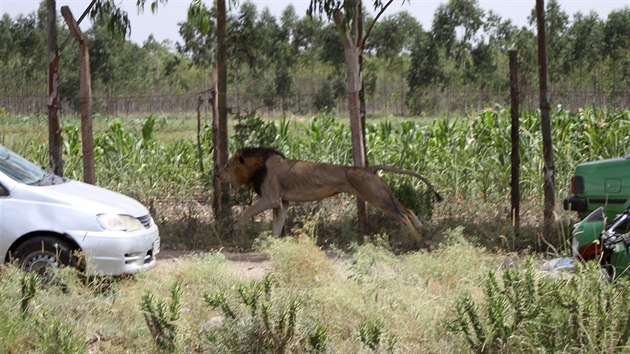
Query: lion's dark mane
(262, 154)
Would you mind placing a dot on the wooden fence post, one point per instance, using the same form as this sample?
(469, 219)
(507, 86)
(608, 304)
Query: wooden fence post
(199, 147)
(87, 140)
(545, 122)
(515, 155)
(54, 129)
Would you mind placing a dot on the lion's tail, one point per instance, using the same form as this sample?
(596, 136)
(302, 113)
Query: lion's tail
(375, 168)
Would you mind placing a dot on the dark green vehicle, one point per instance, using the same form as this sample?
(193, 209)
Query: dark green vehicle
(604, 183)
(598, 239)
(601, 196)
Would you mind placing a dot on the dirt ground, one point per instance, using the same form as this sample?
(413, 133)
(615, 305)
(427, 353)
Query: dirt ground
(249, 265)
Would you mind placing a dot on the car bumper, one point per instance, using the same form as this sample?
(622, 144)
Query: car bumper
(115, 253)
(575, 204)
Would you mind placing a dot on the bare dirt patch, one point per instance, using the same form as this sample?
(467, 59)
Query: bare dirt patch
(247, 265)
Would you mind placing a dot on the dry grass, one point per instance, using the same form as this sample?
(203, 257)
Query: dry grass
(410, 294)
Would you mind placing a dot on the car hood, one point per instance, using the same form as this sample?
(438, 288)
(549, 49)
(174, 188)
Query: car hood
(80, 195)
(606, 162)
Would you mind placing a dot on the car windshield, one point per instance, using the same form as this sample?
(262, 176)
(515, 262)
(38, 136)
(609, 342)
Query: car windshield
(18, 168)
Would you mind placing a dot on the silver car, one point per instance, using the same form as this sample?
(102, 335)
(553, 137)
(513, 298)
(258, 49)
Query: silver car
(48, 221)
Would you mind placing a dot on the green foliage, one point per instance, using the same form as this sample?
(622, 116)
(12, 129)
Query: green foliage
(525, 311)
(259, 324)
(29, 285)
(251, 130)
(419, 200)
(161, 319)
(317, 339)
(59, 338)
(325, 99)
(279, 61)
(371, 334)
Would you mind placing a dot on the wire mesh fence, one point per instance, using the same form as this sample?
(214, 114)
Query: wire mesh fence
(382, 103)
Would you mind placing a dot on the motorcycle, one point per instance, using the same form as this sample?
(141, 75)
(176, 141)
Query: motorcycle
(606, 243)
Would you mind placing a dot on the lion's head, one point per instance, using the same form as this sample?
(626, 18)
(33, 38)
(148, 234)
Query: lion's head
(247, 166)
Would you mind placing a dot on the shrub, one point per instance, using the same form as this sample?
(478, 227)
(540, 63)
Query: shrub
(257, 324)
(58, 338)
(526, 311)
(160, 320)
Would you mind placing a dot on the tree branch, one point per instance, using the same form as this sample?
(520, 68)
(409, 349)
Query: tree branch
(338, 18)
(367, 33)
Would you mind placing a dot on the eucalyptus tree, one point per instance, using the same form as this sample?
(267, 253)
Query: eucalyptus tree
(393, 36)
(457, 18)
(586, 50)
(500, 35)
(617, 44)
(556, 24)
(307, 29)
(245, 51)
(198, 13)
(271, 52)
(425, 71)
(348, 18)
(22, 39)
(198, 34)
(285, 56)
(390, 43)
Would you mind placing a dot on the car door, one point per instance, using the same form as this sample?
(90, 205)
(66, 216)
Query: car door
(4, 195)
(6, 238)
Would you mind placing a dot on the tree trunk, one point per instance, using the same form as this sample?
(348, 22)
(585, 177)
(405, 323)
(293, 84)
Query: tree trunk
(352, 51)
(54, 130)
(222, 212)
(545, 121)
(362, 216)
(515, 155)
(87, 140)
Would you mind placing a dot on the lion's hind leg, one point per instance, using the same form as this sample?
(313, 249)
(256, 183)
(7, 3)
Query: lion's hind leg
(417, 224)
(405, 216)
(377, 193)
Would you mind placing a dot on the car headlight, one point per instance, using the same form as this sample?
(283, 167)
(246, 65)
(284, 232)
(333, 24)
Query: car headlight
(114, 222)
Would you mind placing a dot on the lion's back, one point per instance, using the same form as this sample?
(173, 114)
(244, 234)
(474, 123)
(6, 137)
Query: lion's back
(307, 180)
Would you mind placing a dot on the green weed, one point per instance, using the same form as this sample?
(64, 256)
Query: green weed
(162, 320)
(526, 311)
(257, 324)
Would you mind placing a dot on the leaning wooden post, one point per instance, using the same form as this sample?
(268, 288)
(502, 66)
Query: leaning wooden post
(87, 145)
(515, 155)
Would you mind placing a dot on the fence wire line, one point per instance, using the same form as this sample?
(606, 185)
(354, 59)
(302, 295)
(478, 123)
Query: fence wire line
(379, 104)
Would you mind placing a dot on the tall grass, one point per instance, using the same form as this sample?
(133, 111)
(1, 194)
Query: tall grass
(466, 157)
(524, 311)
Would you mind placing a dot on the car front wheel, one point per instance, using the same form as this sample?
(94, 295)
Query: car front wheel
(42, 254)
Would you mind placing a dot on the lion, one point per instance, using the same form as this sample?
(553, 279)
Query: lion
(278, 181)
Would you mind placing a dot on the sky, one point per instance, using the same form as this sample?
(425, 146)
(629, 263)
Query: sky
(163, 24)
